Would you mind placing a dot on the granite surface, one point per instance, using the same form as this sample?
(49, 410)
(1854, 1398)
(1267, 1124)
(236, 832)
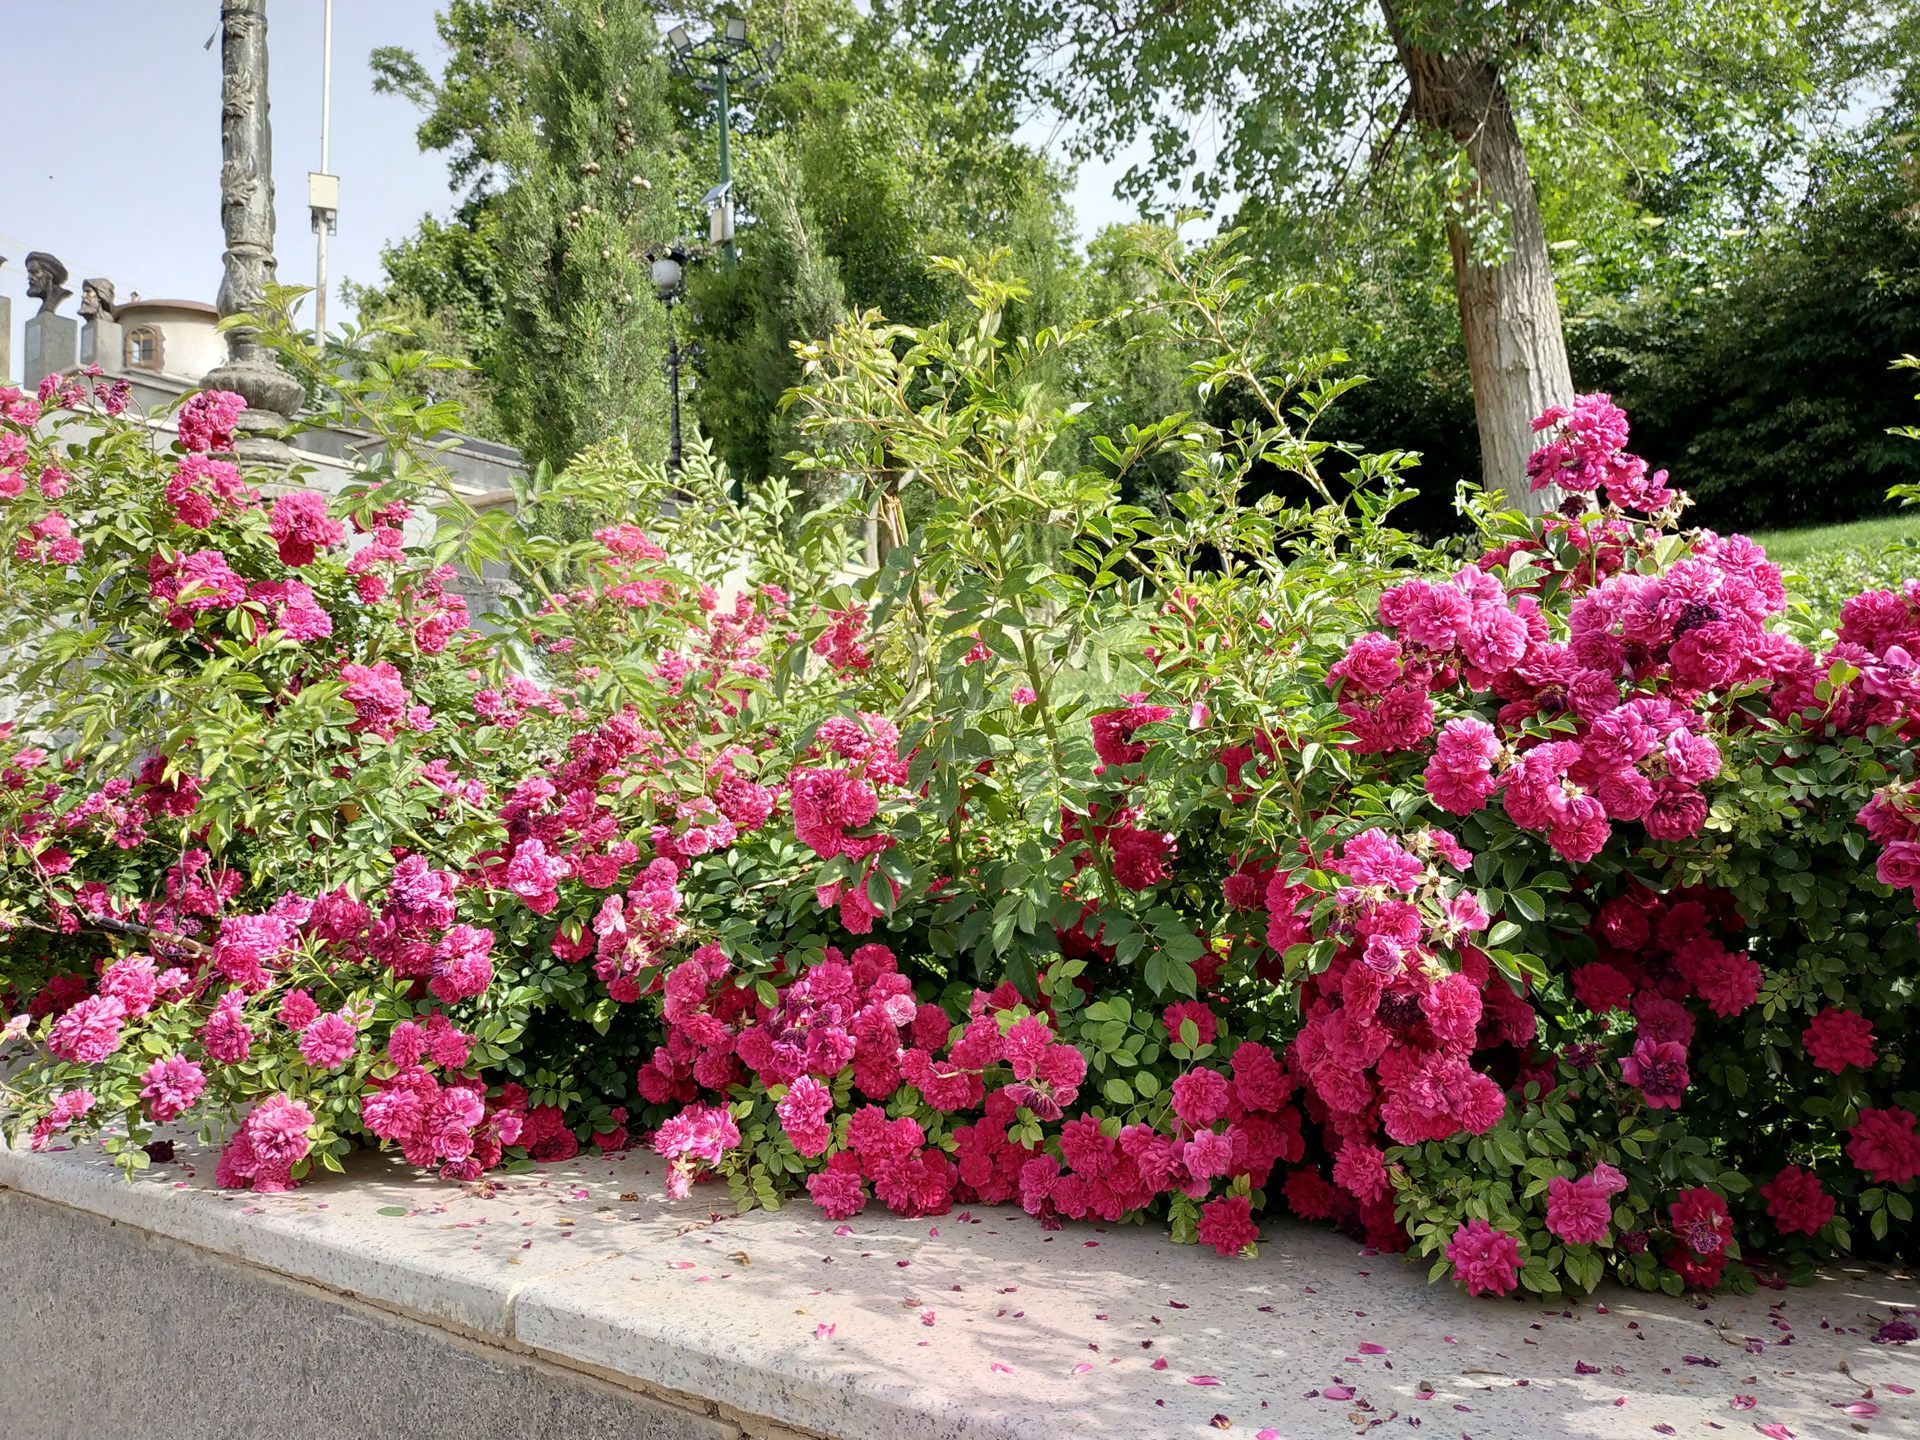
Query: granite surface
(175, 1343)
(982, 1326)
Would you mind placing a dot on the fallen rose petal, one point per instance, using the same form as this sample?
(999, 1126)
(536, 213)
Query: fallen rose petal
(1001, 1369)
(1082, 1368)
(1338, 1392)
(1203, 1379)
(1860, 1408)
(1160, 1362)
(1774, 1430)
(1581, 1367)
(1367, 1347)
(1900, 1389)
(821, 1332)
(1743, 1402)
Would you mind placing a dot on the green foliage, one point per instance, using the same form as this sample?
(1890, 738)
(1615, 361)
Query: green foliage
(1656, 136)
(785, 288)
(860, 155)
(1608, 98)
(1829, 564)
(1064, 759)
(557, 132)
(857, 158)
(441, 297)
(1767, 373)
(491, 46)
(591, 180)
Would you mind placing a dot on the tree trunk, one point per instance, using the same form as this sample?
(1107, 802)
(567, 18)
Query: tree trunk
(1509, 314)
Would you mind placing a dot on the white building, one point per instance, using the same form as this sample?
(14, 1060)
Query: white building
(170, 340)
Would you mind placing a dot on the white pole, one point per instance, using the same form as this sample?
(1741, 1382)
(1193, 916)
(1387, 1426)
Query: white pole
(323, 224)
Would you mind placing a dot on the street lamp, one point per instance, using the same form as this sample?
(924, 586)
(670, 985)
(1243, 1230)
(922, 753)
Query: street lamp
(323, 187)
(669, 275)
(736, 63)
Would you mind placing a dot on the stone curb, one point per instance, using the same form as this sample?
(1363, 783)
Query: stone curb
(982, 1326)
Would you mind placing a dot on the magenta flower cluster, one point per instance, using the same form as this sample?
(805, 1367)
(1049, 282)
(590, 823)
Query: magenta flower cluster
(1256, 1004)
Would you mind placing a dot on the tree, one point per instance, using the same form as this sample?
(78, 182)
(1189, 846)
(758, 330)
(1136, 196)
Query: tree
(1767, 377)
(786, 287)
(591, 180)
(566, 154)
(442, 286)
(490, 46)
(1313, 99)
(862, 156)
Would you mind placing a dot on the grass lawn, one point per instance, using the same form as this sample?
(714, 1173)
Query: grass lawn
(1827, 564)
(1790, 549)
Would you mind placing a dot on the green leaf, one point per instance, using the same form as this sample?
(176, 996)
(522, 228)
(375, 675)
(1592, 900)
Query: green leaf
(1528, 903)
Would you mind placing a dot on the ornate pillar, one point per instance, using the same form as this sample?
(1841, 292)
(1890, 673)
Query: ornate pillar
(246, 215)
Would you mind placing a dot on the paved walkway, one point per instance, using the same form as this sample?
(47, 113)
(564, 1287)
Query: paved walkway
(981, 1326)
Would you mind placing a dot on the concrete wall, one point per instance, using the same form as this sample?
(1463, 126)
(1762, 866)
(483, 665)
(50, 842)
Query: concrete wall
(191, 343)
(110, 1333)
(478, 467)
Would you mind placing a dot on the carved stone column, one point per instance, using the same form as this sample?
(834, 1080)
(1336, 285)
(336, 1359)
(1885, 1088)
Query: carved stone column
(246, 215)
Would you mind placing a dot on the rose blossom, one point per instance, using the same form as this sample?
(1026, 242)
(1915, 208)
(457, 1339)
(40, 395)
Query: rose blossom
(1227, 1224)
(1838, 1038)
(278, 1129)
(90, 1031)
(1658, 1068)
(328, 1043)
(1486, 1260)
(1797, 1201)
(1578, 1210)
(1883, 1144)
(171, 1086)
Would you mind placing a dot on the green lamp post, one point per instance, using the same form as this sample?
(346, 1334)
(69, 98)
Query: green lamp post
(724, 63)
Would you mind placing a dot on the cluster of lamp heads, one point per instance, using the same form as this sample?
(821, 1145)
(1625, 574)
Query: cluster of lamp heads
(729, 48)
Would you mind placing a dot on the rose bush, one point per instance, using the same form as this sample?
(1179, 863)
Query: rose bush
(1541, 912)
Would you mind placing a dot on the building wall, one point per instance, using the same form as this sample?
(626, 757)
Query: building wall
(191, 345)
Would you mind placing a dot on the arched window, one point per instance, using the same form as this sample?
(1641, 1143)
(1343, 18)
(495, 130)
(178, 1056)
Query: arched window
(144, 351)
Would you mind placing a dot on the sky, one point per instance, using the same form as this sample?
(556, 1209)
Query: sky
(124, 180)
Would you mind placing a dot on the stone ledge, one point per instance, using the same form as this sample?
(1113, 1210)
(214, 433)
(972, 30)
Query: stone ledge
(783, 1322)
(262, 1354)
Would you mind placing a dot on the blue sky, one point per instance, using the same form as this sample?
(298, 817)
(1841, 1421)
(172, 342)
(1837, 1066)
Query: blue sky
(114, 157)
(123, 179)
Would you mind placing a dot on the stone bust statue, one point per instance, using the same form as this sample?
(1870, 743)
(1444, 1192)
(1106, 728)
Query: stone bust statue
(45, 278)
(96, 299)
